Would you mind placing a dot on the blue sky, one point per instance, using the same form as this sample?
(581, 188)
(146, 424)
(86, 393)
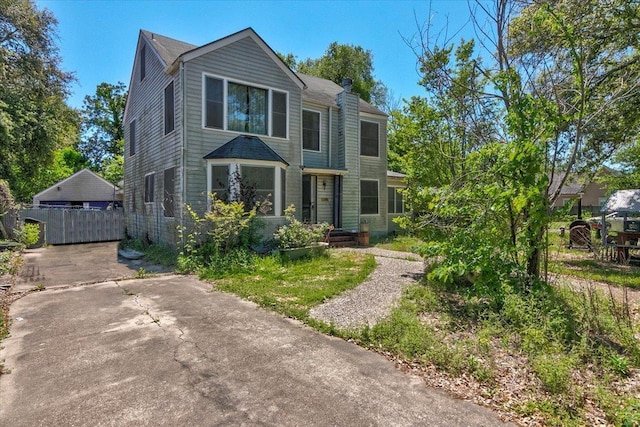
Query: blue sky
(97, 38)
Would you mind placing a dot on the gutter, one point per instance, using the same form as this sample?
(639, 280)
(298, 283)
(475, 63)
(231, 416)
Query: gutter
(183, 142)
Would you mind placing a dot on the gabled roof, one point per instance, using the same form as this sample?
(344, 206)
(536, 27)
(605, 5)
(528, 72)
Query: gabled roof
(246, 147)
(316, 89)
(571, 187)
(168, 49)
(324, 92)
(171, 50)
(82, 186)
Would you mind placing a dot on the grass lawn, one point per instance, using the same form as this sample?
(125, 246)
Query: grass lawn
(294, 287)
(402, 243)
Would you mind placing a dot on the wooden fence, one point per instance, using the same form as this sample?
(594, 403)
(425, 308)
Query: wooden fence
(62, 226)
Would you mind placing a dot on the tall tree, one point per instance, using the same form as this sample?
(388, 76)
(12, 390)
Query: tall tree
(34, 119)
(102, 125)
(555, 87)
(342, 61)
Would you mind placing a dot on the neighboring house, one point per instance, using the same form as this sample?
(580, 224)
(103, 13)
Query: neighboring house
(592, 193)
(83, 189)
(200, 117)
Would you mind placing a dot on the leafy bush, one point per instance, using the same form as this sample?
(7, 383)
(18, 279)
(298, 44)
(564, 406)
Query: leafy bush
(28, 234)
(221, 239)
(296, 234)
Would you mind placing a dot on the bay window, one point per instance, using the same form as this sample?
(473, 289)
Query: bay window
(249, 183)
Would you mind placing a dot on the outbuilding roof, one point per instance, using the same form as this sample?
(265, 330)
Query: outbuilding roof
(82, 186)
(246, 147)
(623, 201)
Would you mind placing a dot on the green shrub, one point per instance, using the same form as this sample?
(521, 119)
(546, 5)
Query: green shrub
(296, 234)
(221, 240)
(28, 234)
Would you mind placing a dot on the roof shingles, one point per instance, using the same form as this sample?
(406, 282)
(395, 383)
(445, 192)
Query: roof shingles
(246, 147)
(318, 90)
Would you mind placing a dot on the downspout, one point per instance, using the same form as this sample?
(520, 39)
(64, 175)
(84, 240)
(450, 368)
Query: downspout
(300, 145)
(357, 142)
(183, 154)
(330, 129)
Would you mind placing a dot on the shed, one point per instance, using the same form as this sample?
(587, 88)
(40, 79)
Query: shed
(622, 202)
(84, 189)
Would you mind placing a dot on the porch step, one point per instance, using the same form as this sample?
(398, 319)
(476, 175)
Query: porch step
(341, 239)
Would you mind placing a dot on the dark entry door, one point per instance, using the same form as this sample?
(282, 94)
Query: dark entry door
(309, 198)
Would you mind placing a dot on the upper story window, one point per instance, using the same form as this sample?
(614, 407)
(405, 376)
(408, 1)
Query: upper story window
(243, 108)
(369, 139)
(132, 138)
(143, 62)
(311, 130)
(169, 109)
(247, 109)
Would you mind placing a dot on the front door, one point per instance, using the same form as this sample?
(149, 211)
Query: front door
(309, 198)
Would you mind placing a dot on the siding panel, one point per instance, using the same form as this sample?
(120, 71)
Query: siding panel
(154, 152)
(243, 61)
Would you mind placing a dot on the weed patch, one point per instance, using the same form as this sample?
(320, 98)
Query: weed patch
(563, 342)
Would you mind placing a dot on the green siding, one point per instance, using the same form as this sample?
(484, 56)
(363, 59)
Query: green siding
(155, 151)
(243, 61)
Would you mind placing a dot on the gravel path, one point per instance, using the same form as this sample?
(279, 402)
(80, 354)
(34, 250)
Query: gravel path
(373, 299)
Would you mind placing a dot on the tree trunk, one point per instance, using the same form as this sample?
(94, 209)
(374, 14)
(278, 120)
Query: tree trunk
(533, 260)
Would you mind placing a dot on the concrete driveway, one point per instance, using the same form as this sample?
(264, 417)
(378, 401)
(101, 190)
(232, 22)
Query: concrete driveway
(168, 351)
(76, 264)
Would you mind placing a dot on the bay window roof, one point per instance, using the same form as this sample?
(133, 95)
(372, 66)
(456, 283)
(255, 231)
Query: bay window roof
(246, 147)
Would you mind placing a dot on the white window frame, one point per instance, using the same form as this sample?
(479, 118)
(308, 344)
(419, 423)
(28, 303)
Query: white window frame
(153, 192)
(236, 165)
(319, 150)
(379, 197)
(225, 107)
(396, 187)
(360, 138)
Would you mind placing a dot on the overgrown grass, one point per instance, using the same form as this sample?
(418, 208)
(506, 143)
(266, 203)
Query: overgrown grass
(601, 271)
(402, 243)
(573, 343)
(10, 262)
(153, 252)
(588, 265)
(294, 287)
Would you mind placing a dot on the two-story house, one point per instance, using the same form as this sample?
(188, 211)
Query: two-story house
(200, 118)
